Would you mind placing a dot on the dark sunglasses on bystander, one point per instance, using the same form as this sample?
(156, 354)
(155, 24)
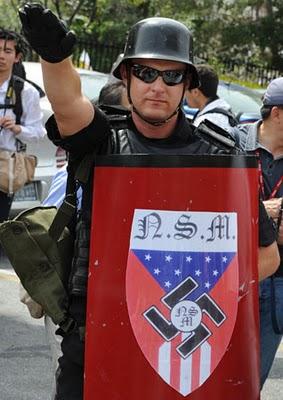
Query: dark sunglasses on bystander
(171, 77)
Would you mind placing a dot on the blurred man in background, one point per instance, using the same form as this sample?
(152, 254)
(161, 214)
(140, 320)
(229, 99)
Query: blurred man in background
(206, 100)
(30, 127)
(265, 139)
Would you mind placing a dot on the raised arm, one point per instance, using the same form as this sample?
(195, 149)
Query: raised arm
(51, 39)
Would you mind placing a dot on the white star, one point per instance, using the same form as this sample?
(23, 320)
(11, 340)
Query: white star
(189, 259)
(198, 272)
(168, 258)
(215, 272)
(167, 284)
(207, 259)
(177, 272)
(156, 271)
(207, 285)
(224, 259)
(148, 257)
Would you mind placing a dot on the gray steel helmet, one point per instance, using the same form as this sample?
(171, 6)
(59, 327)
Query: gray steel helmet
(160, 39)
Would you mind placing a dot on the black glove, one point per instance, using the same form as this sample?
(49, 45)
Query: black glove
(46, 34)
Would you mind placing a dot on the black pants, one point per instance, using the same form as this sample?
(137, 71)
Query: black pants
(5, 205)
(69, 376)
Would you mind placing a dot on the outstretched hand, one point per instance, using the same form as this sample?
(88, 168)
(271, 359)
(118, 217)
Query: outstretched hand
(46, 34)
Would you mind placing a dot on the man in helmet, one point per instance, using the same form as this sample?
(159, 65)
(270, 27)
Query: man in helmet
(157, 68)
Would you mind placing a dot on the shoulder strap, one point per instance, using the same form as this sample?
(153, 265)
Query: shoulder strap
(117, 116)
(218, 110)
(217, 136)
(18, 85)
(68, 208)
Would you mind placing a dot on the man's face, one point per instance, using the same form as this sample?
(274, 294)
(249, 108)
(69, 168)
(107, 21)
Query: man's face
(7, 55)
(156, 100)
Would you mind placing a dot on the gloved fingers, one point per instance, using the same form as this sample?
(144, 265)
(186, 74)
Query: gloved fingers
(51, 21)
(46, 33)
(24, 18)
(68, 42)
(35, 16)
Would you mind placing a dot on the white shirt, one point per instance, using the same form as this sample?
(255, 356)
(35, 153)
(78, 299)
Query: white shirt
(31, 120)
(218, 119)
(57, 191)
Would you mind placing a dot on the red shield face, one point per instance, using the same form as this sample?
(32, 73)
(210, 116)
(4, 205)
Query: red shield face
(173, 279)
(178, 267)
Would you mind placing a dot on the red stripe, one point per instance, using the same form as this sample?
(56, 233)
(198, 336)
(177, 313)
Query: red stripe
(137, 278)
(225, 295)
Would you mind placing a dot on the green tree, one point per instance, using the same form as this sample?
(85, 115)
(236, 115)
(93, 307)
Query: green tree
(240, 30)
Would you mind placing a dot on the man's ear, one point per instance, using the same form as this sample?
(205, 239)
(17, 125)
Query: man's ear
(275, 111)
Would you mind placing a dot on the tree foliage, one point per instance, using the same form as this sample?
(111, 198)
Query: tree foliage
(236, 29)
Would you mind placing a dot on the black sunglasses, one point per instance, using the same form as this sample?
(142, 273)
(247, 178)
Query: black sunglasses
(146, 74)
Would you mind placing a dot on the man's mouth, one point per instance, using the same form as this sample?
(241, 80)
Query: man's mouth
(157, 101)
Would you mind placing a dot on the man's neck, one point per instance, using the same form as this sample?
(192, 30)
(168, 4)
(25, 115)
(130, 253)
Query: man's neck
(155, 132)
(271, 139)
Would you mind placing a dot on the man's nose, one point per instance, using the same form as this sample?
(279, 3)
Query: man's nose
(158, 84)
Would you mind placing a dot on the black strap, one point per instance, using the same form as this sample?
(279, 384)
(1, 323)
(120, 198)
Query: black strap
(68, 208)
(18, 85)
(217, 136)
(13, 98)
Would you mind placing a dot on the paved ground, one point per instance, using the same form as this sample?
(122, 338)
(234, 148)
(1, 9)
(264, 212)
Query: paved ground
(25, 363)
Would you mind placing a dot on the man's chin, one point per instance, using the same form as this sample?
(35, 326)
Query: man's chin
(154, 116)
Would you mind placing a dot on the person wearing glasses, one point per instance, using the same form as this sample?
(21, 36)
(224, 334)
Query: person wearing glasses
(157, 69)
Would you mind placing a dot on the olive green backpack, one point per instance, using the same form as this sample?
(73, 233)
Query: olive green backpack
(39, 246)
(40, 262)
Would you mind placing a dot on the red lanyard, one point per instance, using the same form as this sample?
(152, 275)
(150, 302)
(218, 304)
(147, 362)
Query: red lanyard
(261, 182)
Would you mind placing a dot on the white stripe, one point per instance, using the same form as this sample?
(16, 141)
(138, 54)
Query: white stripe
(164, 356)
(186, 376)
(186, 371)
(205, 362)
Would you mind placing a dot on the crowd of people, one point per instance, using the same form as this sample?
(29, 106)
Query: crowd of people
(152, 79)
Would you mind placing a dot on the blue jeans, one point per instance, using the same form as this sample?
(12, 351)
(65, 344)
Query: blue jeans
(269, 340)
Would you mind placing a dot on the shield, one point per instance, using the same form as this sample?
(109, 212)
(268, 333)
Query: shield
(178, 267)
(172, 294)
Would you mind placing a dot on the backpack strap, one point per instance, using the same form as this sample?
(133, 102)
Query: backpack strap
(18, 85)
(13, 98)
(218, 110)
